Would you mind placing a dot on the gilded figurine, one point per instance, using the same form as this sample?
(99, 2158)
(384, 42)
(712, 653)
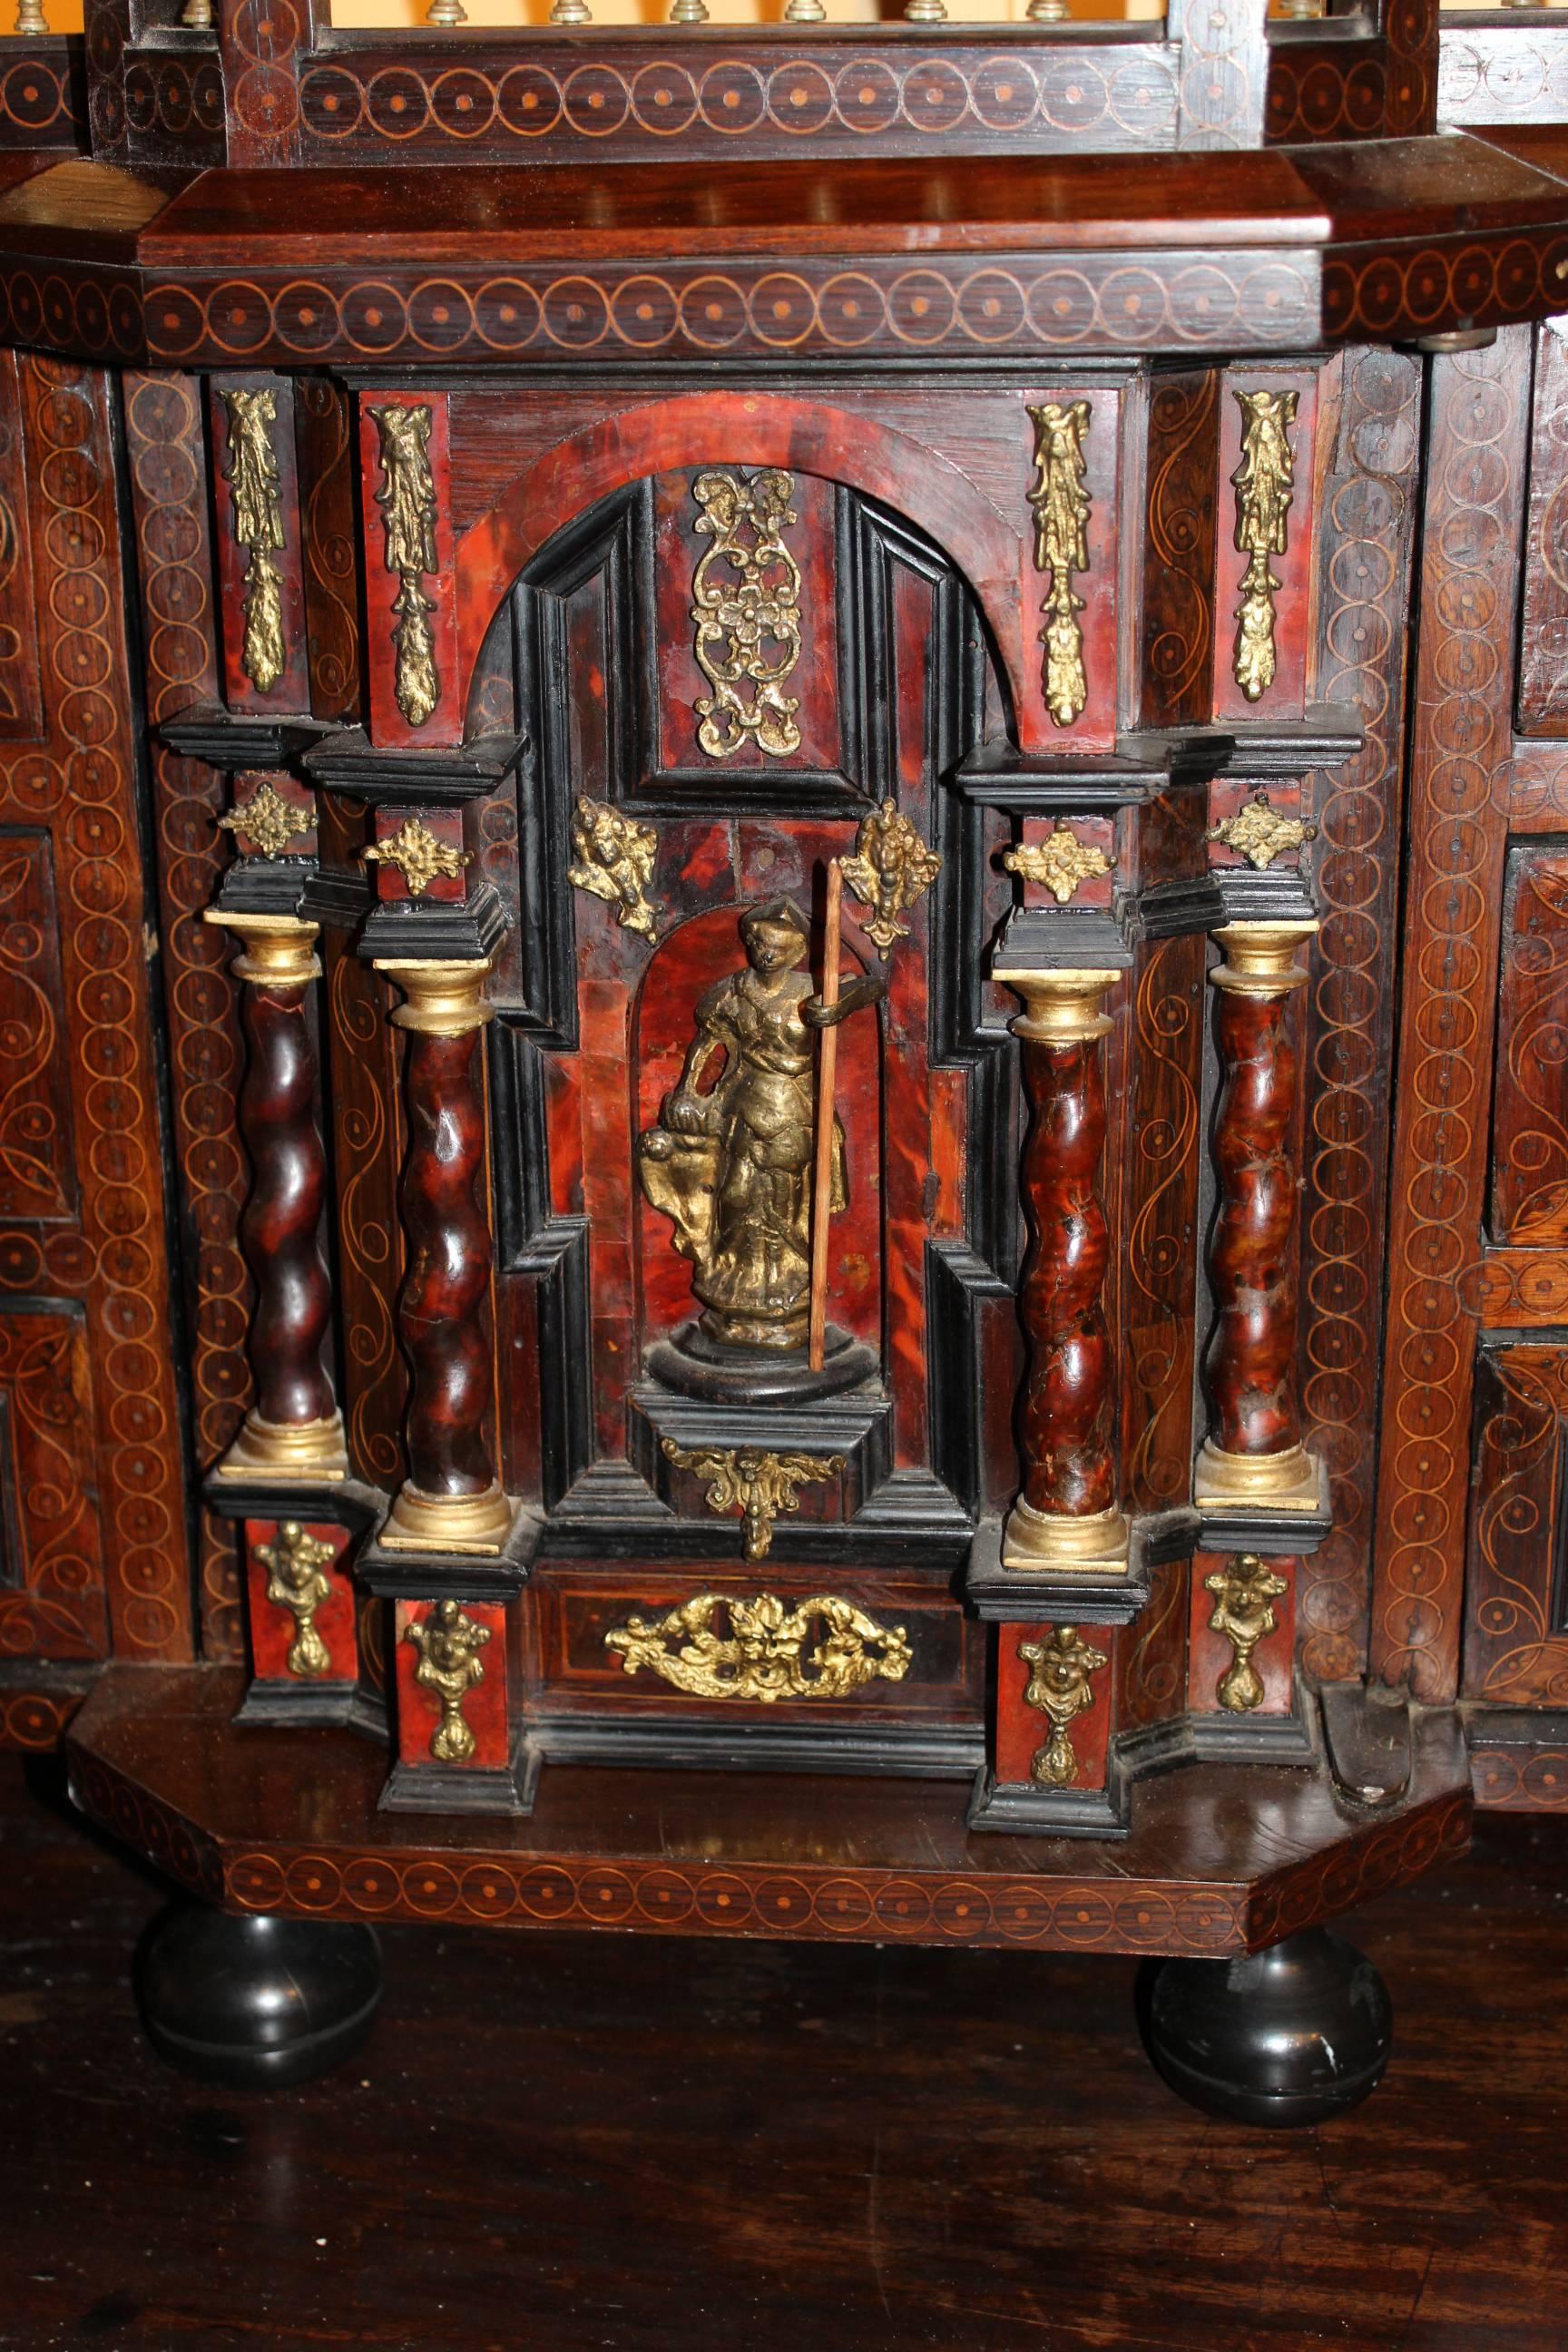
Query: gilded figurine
(1265, 484)
(1060, 499)
(1060, 1668)
(295, 1582)
(1244, 1591)
(730, 1162)
(258, 529)
(448, 1644)
(408, 502)
(615, 858)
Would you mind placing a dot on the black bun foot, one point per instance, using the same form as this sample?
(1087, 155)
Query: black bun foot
(1292, 2035)
(253, 2002)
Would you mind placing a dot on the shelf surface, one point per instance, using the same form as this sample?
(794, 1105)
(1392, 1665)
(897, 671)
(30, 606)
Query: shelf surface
(1222, 1857)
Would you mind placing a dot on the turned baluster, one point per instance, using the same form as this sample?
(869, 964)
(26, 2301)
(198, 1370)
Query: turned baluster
(452, 1498)
(294, 1430)
(1254, 1456)
(1068, 1516)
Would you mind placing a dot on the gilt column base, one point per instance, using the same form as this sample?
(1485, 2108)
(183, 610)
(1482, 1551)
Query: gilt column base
(308, 1452)
(1290, 1481)
(1050, 1543)
(448, 1523)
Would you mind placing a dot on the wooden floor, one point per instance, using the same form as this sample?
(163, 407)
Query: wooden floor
(589, 2144)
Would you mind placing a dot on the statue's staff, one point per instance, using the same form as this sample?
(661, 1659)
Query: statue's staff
(827, 1079)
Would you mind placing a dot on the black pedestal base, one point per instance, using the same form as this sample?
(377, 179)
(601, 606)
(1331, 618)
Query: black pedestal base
(1293, 2035)
(255, 2002)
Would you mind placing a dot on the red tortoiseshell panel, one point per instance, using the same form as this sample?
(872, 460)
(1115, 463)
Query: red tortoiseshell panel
(289, 790)
(1094, 729)
(1090, 833)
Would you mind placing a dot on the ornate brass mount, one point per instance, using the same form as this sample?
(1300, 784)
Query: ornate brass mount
(891, 869)
(1058, 864)
(1059, 1684)
(1061, 507)
(1244, 1592)
(258, 529)
(615, 858)
(764, 1656)
(268, 820)
(408, 501)
(1265, 483)
(418, 856)
(294, 1563)
(758, 1485)
(448, 1644)
(1261, 833)
(746, 595)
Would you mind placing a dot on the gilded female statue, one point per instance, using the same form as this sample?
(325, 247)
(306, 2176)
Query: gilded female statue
(731, 1166)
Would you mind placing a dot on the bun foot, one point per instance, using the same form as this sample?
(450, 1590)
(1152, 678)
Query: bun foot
(255, 2002)
(1293, 2035)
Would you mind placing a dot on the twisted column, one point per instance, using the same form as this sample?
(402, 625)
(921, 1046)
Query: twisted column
(1253, 1455)
(1068, 1516)
(452, 1498)
(294, 1430)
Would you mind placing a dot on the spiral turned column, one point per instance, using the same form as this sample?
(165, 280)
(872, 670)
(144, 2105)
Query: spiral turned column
(451, 1500)
(1068, 1516)
(1253, 1458)
(294, 1430)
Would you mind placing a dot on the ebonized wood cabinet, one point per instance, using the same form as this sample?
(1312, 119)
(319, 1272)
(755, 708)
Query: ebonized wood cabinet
(496, 530)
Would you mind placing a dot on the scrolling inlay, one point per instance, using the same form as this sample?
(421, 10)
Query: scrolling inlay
(764, 1658)
(1060, 501)
(1265, 483)
(258, 529)
(746, 592)
(408, 501)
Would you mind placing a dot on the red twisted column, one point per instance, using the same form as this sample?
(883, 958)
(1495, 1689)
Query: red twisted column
(452, 1499)
(1253, 1458)
(294, 1430)
(1068, 1516)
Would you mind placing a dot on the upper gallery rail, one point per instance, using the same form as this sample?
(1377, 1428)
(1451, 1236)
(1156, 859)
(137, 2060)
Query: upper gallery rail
(197, 83)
